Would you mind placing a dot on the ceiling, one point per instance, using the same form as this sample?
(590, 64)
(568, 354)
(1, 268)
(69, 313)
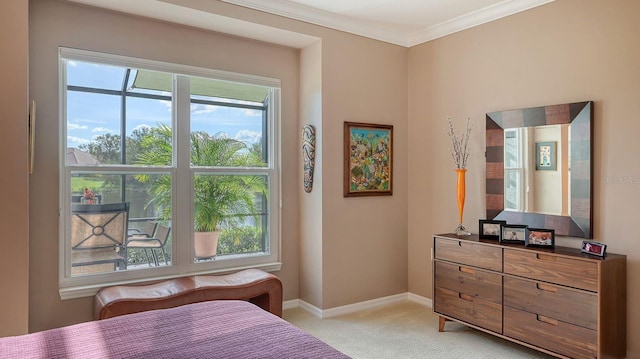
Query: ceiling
(402, 22)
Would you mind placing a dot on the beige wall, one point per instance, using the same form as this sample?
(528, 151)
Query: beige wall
(56, 24)
(565, 51)
(358, 254)
(365, 248)
(14, 183)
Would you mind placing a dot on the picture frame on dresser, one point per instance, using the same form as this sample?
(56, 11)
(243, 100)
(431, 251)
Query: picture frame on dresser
(593, 248)
(513, 233)
(540, 237)
(490, 229)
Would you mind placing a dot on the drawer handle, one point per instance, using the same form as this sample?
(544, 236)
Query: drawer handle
(546, 257)
(466, 270)
(459, 243)
(544, 319)
(546, 288)
(466, 297)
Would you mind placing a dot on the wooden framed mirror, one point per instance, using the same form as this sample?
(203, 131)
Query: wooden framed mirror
(540, 167)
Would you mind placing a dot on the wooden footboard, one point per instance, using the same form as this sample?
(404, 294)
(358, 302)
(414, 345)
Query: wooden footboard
(253, 285)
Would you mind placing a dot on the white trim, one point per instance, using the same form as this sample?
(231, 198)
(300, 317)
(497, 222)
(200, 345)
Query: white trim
(356, 307)
(182, 175)
(427, 302)
(291, 304)
(476, 18)
(375, 31)
(158, 9)
(185, 15)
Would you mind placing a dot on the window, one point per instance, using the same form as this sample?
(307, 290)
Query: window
(513, 170)
(190, 153)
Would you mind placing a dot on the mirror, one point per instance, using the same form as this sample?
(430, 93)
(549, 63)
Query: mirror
(539, 167)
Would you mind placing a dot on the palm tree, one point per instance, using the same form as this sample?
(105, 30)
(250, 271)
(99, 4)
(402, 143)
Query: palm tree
(221, 201)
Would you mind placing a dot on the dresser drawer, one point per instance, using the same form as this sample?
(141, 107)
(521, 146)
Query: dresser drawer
(554, 335)
(552, 268)
(474, 282)
(468, 309)
(469, 253)
(568, 305)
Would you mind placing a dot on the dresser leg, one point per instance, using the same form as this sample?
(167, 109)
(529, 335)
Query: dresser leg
(441, 324)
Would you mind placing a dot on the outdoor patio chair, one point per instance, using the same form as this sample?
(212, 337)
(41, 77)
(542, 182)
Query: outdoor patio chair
(151, 243)
(98, 234)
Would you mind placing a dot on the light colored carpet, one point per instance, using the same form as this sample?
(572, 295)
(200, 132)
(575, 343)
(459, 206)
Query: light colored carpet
(405, 330)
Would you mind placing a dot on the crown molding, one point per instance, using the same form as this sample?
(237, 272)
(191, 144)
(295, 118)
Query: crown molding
(476, 18)
(325, 18)
(378, 31)
(162, 10)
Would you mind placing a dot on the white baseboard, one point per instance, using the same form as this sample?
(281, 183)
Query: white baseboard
(355, 307)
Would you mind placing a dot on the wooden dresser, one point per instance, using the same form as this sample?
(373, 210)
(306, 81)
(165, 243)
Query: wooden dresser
(558, 301)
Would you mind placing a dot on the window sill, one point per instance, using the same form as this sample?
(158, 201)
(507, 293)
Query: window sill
(91, 290)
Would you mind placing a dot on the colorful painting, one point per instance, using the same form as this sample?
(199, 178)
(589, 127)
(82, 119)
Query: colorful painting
(368, 163)
(546, 156)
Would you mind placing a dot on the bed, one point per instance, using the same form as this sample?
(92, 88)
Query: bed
(211, 329)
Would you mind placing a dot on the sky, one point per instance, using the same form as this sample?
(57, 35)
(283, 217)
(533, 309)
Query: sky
(90, 115)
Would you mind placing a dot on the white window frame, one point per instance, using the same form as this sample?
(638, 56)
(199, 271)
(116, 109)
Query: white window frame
(182, 181)
(520, 169)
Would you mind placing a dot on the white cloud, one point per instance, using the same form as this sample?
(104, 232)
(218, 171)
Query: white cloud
(199, 109)
(102, 129)
(72, 63)
(73, 126)
(252, 113)
(248, 136)
(76, 140)
(86, 120)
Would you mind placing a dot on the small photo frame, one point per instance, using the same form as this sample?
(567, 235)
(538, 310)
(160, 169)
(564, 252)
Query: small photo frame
(593, 248)
(513, 233)
(546, 156)
(540, 237)
(490, 229)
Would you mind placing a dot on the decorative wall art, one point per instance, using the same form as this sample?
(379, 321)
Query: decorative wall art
(308, 155)
(546, 156)
(368, 159)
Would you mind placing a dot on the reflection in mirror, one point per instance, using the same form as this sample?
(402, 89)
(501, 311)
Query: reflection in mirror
(530, 177)
(536, 169)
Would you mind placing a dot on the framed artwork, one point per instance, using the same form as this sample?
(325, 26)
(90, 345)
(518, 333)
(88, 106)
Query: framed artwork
(539, 237)
(368, 159)
(490, 229)
(513, 233)
(594, 248)
(546, 156)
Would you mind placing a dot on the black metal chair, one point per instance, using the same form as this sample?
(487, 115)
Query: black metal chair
(98, 234)
(151, 243)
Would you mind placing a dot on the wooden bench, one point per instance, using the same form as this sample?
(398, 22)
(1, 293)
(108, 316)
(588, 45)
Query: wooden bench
(253, 285)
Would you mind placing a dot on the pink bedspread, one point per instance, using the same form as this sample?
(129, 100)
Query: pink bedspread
(216, 329)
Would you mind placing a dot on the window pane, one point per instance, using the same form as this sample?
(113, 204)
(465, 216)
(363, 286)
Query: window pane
(93, 125)
(235, 208)
(512, 149)
(99, 236)
(512, 190)
(149, 134)
(238, 126)
(100, 76)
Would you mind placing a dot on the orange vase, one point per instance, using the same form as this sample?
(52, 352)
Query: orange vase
(460, 230)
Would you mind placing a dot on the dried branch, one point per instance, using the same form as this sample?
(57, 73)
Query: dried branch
(460, 149)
